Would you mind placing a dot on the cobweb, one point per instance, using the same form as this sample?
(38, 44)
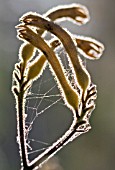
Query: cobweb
(47, 115)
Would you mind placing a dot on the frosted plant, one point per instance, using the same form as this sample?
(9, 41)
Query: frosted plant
(78, 92)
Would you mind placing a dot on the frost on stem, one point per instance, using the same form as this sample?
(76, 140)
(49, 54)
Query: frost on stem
(79, 95)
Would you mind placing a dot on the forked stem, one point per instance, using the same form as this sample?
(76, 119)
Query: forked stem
(55, 147)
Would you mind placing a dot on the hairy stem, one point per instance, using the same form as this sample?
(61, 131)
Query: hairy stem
(20, 101)
(21, 128)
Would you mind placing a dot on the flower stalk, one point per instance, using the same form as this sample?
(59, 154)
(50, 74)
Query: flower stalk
(80, 99)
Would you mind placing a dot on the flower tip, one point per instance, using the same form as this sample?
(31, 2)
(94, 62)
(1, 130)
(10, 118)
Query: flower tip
(81, 20)
(22, 18)
(20, 26)
(83, 16)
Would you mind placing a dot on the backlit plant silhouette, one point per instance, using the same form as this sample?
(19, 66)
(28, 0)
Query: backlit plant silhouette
(79, 95)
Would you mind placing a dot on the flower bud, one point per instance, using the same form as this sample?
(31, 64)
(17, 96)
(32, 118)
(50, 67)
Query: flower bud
(89, 47)
(78, 13)
(83, 78)
(26, 52)
(36, 68)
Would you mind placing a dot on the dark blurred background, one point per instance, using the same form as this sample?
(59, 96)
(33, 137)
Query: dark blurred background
(95, 149)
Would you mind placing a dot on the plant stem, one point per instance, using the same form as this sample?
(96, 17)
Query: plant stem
(21, 121)
(21, 128)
